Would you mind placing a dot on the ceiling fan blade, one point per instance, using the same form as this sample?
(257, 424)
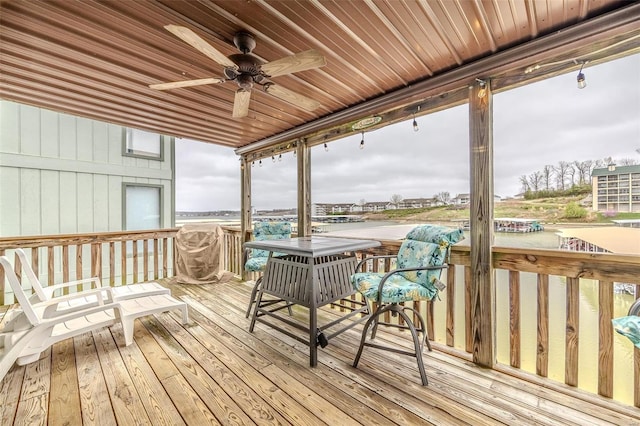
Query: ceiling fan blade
(241, 103)
(299, 62)
(291, 97)
(198, 42)
(186, 83)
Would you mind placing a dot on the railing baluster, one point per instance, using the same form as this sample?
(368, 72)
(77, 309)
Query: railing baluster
(451, 304)
(572, 330)
(123, 260)
(135, 260)
(65, 267)
(514, 318)
(165, 257)
(145, 260)
(156, 266)
(51, 268)
(468, 336)
(112, 264)
(542, 351)
(35, 263)
(79, 265)
(605, 345)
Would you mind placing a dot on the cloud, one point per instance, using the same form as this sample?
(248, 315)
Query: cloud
(535, 125)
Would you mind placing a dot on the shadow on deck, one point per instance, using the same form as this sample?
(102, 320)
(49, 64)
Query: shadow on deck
(213, 371)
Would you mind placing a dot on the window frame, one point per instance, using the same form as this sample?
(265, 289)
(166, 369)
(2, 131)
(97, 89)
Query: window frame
(127, 134)
(126, 185)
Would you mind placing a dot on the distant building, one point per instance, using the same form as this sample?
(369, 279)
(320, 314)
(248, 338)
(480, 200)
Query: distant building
(462, 199)
(616, 188)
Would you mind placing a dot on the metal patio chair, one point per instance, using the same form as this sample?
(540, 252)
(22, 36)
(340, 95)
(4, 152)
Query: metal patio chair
(419, 263)
(256, 260)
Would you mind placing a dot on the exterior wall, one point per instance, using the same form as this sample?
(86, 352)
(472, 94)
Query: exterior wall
(62, 174)
(616, 189)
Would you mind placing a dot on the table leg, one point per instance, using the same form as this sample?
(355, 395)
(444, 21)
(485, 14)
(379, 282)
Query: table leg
(313, 334)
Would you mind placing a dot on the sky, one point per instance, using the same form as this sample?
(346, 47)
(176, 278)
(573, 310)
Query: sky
(535, 125)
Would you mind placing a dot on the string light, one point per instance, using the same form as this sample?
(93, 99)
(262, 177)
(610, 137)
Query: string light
(362, 141)
(280, 157)
(326, 147)
(273, 159)
(582, 81)
(415, 123)
(253, 163)
(260, 163)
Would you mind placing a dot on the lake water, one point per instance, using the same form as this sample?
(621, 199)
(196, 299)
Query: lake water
(588, 335)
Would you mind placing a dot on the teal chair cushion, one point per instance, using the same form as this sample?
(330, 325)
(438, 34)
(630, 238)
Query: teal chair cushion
(265, 231)
(396, 289)
(436, 234)
(628, 327)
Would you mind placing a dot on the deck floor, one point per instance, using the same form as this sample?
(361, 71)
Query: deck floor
(213, 371)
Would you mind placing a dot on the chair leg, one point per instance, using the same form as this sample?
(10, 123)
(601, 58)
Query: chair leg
(372, 319)
(252, 299)
(418, 343)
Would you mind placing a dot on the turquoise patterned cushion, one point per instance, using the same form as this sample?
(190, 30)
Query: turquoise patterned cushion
(396, 289)
(436, 234)
(415, 254)
(256, 264)
(265, 231)
(629, 327)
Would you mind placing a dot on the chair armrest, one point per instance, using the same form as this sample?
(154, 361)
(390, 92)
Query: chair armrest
(396, 271)
(50, 290)
(382, 256)
(51, 306)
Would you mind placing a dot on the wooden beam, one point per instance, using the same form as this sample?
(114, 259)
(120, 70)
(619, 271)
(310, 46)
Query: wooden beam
(245, 202)
(482, 275)
(304, 188)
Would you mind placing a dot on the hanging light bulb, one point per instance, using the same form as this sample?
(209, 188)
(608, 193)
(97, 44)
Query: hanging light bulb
(362, 141)
(260, 163)
(582, 81)
(253, 163)
(326, 147)
(415, 123)
(273, 159)
(280, 157)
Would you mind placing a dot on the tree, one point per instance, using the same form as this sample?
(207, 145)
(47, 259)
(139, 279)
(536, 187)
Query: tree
(561, 171)
(627, 162)
(443, 197)
(396, 199)
(524, 182)
(547, 174)
(535, 181)
(584, 170)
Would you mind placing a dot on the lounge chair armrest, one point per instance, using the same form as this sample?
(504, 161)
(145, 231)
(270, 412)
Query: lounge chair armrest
(635, 308)
(51, 306)
(66, 315)
(382, 256)
(50, 290)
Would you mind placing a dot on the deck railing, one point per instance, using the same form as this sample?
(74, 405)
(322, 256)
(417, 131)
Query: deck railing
(546, 289)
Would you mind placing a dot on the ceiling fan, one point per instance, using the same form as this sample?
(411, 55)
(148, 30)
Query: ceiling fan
(246, 70)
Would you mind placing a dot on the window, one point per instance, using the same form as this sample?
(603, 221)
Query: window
(138, 143)
(142, 206)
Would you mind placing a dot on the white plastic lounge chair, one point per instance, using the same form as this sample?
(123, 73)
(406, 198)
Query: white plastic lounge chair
(34, 327)
(44, 293)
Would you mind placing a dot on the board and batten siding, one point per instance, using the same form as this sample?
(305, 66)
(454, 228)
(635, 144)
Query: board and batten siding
(63, 174)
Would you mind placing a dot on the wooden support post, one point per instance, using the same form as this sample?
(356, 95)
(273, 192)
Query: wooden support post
(482, 275)
(304, 188)
(245, 204)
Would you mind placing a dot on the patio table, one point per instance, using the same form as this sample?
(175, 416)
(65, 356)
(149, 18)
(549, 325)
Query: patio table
(309, 271)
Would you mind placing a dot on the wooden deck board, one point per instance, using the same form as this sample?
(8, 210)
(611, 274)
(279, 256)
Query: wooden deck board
(213, 371)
